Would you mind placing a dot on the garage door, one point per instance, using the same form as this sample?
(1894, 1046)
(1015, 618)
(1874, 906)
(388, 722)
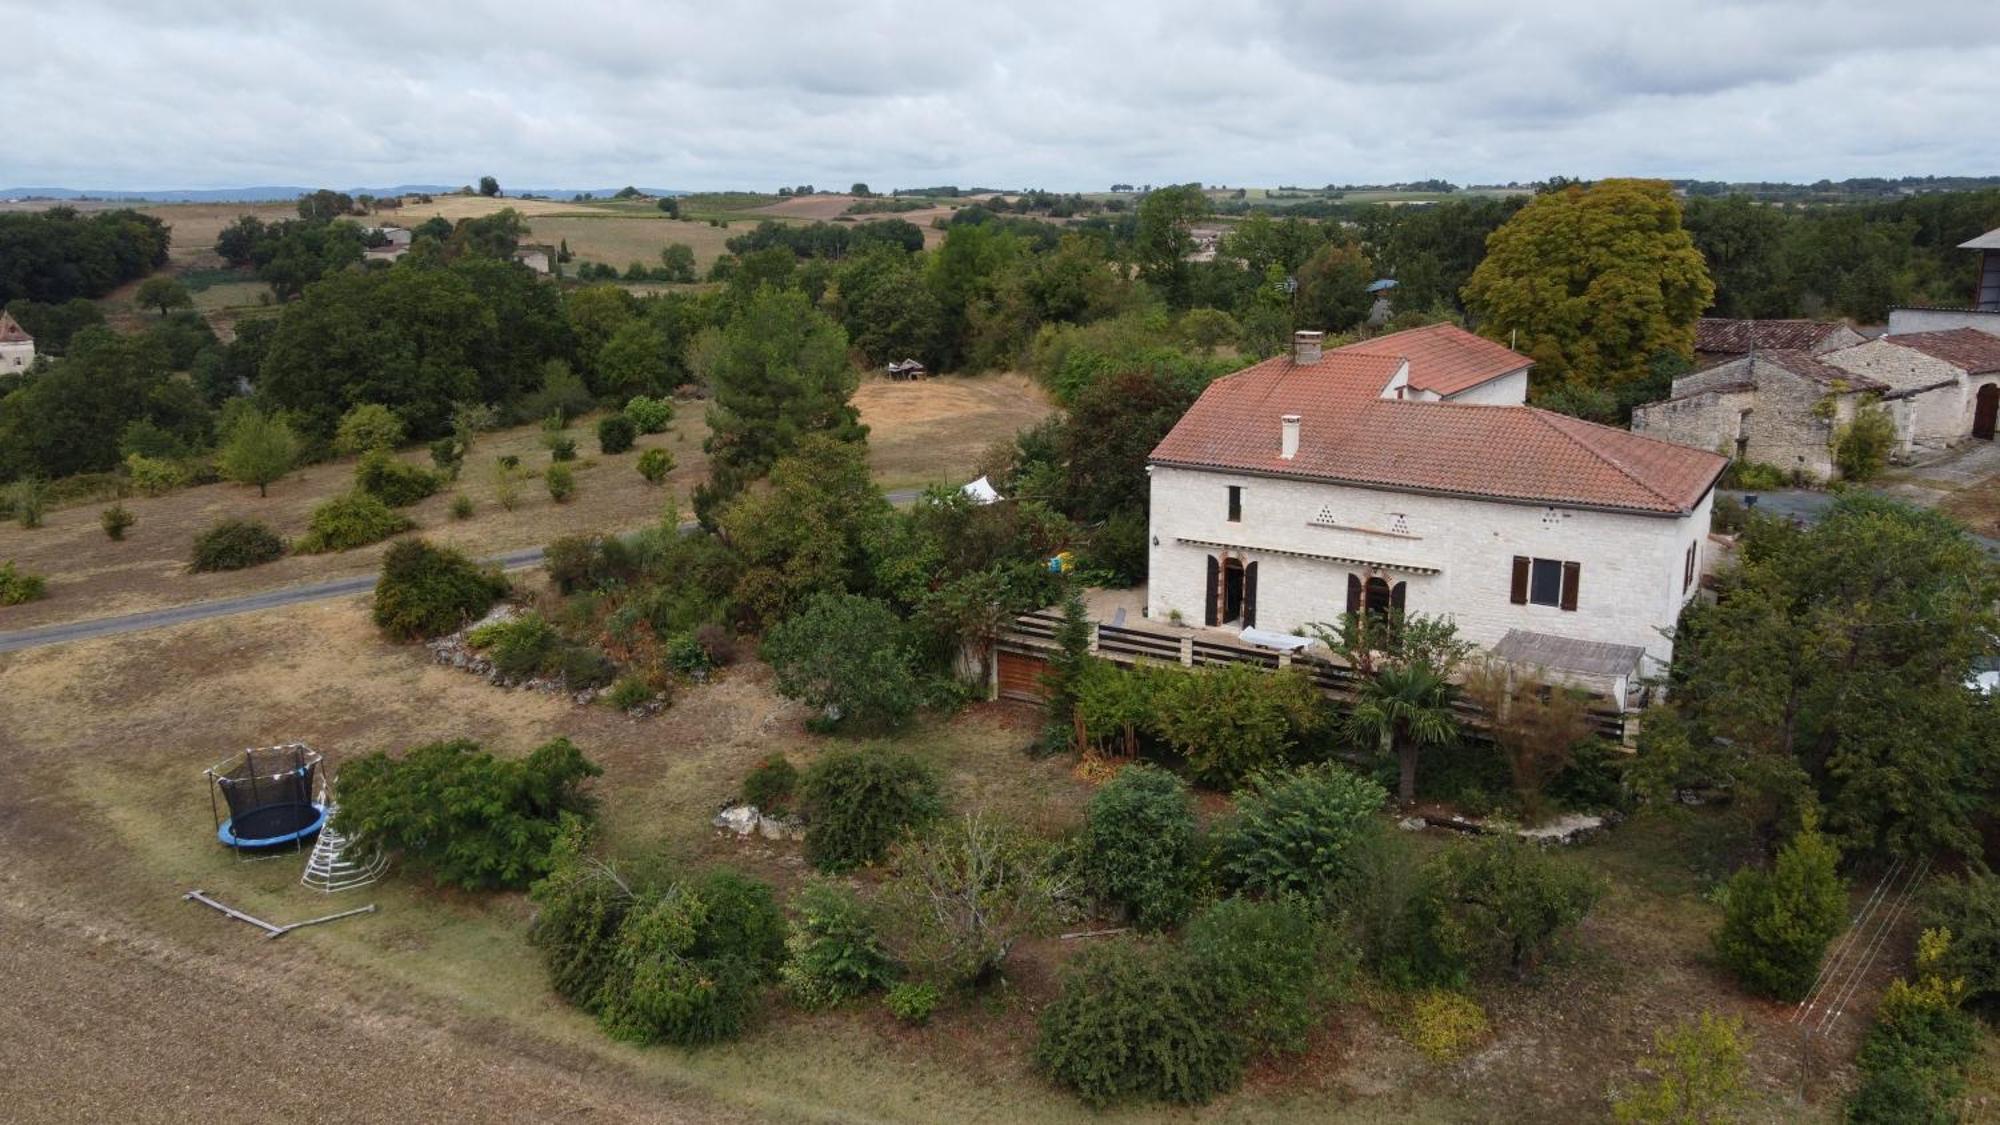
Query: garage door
(1021, 676)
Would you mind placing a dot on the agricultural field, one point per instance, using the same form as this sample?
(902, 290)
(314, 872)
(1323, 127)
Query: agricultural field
(920, 433)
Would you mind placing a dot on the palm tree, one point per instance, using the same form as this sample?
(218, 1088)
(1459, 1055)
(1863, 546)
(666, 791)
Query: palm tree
(1405, 707)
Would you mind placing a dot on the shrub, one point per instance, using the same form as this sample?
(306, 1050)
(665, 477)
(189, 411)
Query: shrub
(1139, 846)
(771, 785)
(1968, 908)
(427, 591)
(832, 952)
(116, 519)
(1395, 909)
(30, 500)
(1913, 1058)
(561, 482)
(963, 895)
(367, 427)
(912, 1002)
(1509, 902)
(847, 657)
(448, 456)
(859, 802)
(1753, 476)
(257, 449)
(156, 476)
(468, 818)
(354, 520)
(1443, 1024)
(1862, 446)
(743, 922)
(562, 449)
(1139, 1022)
(616, 433)
(1231, 721)
(630, 692)
(660, 990)
(1776, 924)
(579, 904)
(461, 507)
(1273, 962)
(235, 545)
(655, 464)
(392, 480)
(18, 587)
(718, 642)
(1700, 1070)
(583, 668)
(1293, 830)
(685, 655)
(520, 648)
(649, 415)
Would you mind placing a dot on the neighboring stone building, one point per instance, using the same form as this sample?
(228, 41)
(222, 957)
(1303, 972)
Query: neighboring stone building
(1718, 340)
(17, 348)
(539, 257)
(1374, 478)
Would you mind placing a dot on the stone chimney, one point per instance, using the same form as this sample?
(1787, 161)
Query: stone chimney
(1288, 439)
(1306, 347)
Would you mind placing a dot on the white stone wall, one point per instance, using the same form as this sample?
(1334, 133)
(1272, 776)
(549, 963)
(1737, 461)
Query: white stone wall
(1630, 586)
(1939, 417)
(1784, 426)
(1507, 390)
(1905, 321)
(16, 357)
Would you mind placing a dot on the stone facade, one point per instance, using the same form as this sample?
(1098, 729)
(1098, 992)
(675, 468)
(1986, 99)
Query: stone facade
(1753, 409)
(17, 348)
(1454, 553)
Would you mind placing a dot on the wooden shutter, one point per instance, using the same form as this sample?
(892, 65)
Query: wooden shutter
(1687, 579)
(1250, 596)
(1214, 591)
(1519, 595)
(1570, 572)
(1353, 593)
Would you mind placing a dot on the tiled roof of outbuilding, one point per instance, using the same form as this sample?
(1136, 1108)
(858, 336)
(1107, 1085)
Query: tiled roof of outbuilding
(1734, 337)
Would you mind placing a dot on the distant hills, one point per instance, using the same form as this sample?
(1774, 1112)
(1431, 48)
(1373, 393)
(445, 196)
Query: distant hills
(281, 194)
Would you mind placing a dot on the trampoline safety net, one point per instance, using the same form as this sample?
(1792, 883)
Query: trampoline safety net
(269, 790)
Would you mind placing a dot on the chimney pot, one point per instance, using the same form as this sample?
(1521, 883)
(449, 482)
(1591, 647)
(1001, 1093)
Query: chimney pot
(1288, 443)
(1306, 347)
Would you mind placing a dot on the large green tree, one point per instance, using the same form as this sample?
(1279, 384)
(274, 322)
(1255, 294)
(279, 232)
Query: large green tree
(809, 532)
(1593, 282)
(1166, 237)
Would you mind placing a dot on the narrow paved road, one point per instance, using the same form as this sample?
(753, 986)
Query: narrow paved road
(268, 599)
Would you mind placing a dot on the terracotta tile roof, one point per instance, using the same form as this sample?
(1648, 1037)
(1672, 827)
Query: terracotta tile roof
(1968, 349)
(11, 331)
(1349, 434)
(1735, 337)
(1445, 358)
(1809, 366)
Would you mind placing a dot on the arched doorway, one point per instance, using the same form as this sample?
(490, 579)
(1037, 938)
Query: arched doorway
(1985, 410)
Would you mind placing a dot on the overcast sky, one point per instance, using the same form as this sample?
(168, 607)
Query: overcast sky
(1008, 93)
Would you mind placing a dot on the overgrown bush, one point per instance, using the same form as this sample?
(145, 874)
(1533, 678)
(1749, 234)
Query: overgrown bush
(772, 784)
(561, 483)
(962, 895)
(157, 476)
(743, 921)
(1233, 720)
(1140, 846)
(1913, 1058)
(521, 648)
(650, 415)
(912, 1002)
(1395, 912)
(465, 816)
(1139, 1022)
(116, 520)
(857, 803)
(1509, 902)
(1862, 446)
(1776, 924)
(368, 427)
(1968, 908)
(1443, 1024)
(1293, 830)
(18, 587)
(718, 642)
(579, 904)
(448, 456)
(1700, 1072)
(833, 952)
(616, 433)
(584, 668)
(427, 591)
(684, 655)
(562, 449)
(1274, 962)
(1753, 476)
(392, 480)
(461, 507)
(655, 464)
(630, 692)
(660, 990)
(849, 658)
(236, 545)
(29, 499)
(354, 520)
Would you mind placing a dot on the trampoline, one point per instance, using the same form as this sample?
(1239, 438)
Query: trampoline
(269, 795)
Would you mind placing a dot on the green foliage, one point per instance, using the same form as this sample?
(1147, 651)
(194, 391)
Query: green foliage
(1140, 846)
(427, 591)
(1139, 1022)
(369, 426)
(1968, 908)
(1700, 1070)
(1294, 831)
(18, 587)
(616, 433)
(912, 1002)
(520, 648)
(163, 293)
(1751, 476)
(61, 253)
(561, 482)
(655, 464)
(962, 895)
(392, 480)
(650, 415)
(1914, 1056)
(686, 656)
(461, 507)
(744, 922)
(354, 520)
(258, 449)
(468, 818)
(235, 545)
(858, 803)
(630, 692)
(579, 906)
(116, 520)
(1861, 448)
(848, 658)
(833, 953)
(810, 532)
(1508, 903)
(156, 477)
(1777, 923)
(1233, 720)
(29, 499)
(1274, 962)
(1443, 1024)
(771, 785)
(561, 449)
(661, 990)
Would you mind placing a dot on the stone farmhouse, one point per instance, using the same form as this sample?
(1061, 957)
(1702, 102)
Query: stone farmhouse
(1405, 472)
(1719, 340)
(17, 348)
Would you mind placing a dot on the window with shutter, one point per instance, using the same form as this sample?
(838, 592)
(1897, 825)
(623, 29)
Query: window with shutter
(1570, 573)
(1519, 592)
(1353, 593)
(1687, 577)
(1208, 602)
